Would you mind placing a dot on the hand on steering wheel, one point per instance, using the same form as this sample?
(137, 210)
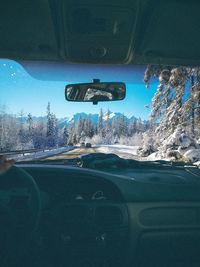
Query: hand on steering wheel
(5, 164)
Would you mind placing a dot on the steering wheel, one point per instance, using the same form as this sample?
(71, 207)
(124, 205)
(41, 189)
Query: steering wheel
(19, 213)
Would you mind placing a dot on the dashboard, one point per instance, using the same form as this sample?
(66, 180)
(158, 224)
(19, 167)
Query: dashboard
(72, 188)
(97, 219)
(84, 219)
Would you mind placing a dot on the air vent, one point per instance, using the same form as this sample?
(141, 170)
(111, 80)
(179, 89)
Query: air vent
(108, 216)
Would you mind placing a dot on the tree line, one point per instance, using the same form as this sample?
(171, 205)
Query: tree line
(27, 132)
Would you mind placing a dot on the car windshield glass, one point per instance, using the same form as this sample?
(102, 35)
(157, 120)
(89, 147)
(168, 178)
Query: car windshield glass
(158, 119)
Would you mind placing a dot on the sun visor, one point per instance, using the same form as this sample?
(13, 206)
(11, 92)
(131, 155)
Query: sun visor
(169, 33)
(27, 31)
(52, 71)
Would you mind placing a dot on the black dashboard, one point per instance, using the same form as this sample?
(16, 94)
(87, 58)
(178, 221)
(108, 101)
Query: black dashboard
(84, 218)
(93, 218)
(70, 188)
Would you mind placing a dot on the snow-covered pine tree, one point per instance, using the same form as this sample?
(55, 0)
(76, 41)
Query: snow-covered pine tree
(65, 136)
(100, 122)
(30, 127)
(39, 135)
(23, 136)
(52, 128)
(9, 139)
(174, 106)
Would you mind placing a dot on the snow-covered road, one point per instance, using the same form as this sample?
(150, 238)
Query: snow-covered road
(128, 152)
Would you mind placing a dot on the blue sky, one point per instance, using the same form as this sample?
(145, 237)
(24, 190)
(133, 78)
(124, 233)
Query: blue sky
(21, 91)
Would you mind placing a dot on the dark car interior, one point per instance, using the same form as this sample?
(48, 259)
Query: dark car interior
(57, 216)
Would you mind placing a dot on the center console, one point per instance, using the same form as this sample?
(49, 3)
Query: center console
(93, 234)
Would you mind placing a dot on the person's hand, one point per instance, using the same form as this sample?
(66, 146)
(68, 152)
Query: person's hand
(5, 164)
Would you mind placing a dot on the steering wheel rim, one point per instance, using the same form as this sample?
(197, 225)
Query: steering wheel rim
(21, 195)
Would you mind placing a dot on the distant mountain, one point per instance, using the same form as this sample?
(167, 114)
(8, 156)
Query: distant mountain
(111, 115)
(62, 122)
(94, 117)
(83, 115)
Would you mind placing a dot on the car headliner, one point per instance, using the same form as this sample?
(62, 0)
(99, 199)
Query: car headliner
(140, 31)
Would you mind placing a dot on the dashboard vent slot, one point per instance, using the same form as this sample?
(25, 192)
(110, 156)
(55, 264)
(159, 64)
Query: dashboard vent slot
(108, 216)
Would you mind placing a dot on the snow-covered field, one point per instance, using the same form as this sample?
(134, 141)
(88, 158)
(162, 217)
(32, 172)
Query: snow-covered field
(41, 154)
(129, 152)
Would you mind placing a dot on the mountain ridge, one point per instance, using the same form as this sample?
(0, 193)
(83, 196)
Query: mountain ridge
(62, 122)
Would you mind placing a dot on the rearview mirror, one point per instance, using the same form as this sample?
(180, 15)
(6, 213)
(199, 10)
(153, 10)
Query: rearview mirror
(95, 92)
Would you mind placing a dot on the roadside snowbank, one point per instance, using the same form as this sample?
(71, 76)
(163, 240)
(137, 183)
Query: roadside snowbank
(40, 154)
(178, 146)
(192, 155)
(118, 149)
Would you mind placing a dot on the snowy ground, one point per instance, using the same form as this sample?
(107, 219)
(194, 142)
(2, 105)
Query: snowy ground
(41, 154)
(128, 152)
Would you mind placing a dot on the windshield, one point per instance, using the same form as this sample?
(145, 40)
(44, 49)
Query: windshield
(158, 119)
